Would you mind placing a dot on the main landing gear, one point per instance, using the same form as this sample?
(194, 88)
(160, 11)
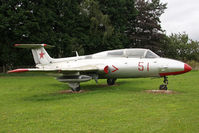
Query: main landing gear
(164, 85)
(75, 86)
(111, 81)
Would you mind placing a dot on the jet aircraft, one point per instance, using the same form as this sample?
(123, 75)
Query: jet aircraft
(110, 65)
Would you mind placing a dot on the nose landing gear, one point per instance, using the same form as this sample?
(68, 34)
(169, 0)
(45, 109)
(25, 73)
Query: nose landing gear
(164, 85)
(111, 81)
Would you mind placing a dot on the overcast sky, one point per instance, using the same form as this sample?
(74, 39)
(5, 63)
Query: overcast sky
(181, 16)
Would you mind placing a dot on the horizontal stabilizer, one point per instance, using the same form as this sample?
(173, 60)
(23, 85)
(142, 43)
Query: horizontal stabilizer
(32, 46)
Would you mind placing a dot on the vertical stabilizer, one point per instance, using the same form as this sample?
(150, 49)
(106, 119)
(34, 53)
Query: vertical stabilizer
(39, 53)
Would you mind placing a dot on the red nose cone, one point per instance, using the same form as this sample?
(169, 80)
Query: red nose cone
(187, 68)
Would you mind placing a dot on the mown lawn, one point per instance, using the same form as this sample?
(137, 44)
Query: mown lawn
(35, 104)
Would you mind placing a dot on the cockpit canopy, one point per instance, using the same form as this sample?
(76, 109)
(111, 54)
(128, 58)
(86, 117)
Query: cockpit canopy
(128, 53)
(140, 53)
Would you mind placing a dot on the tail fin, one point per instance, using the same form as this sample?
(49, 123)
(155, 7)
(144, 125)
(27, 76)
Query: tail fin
(39, 53)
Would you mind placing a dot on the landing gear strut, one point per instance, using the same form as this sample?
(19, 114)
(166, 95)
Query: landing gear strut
(111, 81)
(75, 86)
(164, 85)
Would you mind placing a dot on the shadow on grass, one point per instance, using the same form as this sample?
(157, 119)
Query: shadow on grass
(90, 89)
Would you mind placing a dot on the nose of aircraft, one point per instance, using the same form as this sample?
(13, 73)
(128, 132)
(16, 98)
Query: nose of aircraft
(175, 67)
(187, 68)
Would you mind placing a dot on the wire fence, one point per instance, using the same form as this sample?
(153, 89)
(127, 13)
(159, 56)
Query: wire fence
(193, 64)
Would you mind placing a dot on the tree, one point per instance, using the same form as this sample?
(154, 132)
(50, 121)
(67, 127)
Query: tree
(121, 13)
(147, 32)
(47, 21)
(86, 26)
(180, 46)
(100, 28)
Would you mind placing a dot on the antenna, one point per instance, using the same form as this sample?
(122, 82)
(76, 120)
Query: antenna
(76, 53)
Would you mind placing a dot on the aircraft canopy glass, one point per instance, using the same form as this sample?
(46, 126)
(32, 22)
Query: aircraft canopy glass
(128, 53)
(118, 53)
(150, 54)
(140, 53)
(135, 53)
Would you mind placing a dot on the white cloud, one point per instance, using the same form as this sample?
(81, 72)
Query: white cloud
(181, 16)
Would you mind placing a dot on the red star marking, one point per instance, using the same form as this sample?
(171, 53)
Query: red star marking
(41, 55)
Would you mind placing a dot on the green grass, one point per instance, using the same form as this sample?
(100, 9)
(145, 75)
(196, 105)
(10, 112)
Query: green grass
(34, 104)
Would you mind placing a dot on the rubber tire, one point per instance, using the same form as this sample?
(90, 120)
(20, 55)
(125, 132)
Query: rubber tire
(76, 89)
(163, 87)
(111, 81)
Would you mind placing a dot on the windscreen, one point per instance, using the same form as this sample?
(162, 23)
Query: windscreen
(150, 54)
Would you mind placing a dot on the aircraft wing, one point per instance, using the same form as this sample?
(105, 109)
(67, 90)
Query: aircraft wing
(72, 69)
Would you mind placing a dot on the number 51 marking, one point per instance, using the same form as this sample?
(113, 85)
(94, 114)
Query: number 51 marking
(141, 66)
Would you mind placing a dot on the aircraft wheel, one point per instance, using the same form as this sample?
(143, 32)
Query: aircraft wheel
(75, 86)
(76, 89)
(111, 81)
(163, 87)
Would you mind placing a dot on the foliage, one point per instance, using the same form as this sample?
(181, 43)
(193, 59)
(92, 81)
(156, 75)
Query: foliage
(148, 32)
(86, 26)
(53, 22)
(180, 46)
(194, 64)
(121, 13)
(100, 28)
